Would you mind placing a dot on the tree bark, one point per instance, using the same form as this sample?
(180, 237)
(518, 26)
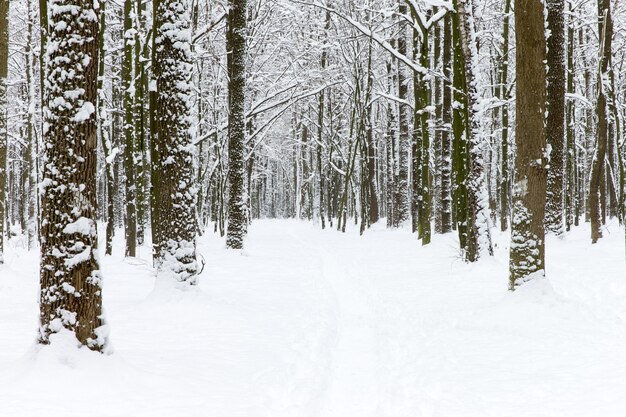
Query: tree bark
(446, 179)
(71, 284)
(128, 89)
(602, 112)
(4, 67)
(527, 259)
(174, 191)
(555, 122)
(236, 46)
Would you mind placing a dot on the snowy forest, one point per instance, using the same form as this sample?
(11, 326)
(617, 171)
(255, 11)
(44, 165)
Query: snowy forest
(325, 208)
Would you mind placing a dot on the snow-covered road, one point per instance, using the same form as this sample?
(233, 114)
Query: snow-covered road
(306, 322)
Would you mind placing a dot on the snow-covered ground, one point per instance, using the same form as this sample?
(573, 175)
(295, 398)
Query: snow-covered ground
(306, 322)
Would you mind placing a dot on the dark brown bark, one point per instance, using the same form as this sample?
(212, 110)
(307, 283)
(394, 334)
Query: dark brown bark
(555, 122)
(71, 290)
(529, 194)
(598, 170)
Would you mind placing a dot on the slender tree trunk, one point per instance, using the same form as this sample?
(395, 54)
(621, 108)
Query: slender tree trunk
(505, 172)
(478, 233)
(33, 148)
(4, 67)
(320, 128)
(128, 88)
(529, 194)
(139, 123)
(236, 46)
(446, 156)
(402, 185)
(602, 113)
(571, 170)
(555, 122)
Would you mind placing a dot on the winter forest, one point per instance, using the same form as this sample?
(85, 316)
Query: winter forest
(325, 208)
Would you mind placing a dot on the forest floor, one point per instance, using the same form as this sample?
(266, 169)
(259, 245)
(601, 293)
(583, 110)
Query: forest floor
(306, 322)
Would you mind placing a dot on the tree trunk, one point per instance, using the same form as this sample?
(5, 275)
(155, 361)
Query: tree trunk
(529, 194)
(505, 172)
(175, 192)
(128, 89)
(236, 46)
(446, 161)
(598, 164)
(71, 285)
(4, 67)
(478, 233)
(555, 122)
(402, 185)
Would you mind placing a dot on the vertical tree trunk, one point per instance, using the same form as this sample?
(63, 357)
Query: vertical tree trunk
(33, 148)
(106, 141)
(4, 67)
(478, 233)
(139, 123)
(602, 113)
(529, 193)
(320, 128)
(459, 145)
(236, 46)
(505, 172)
(446, 157)
(390, 150)
(421, 140)
(555, 122)
(571, 170)
(71, 289)
(402, 185)
(128, 89)
(173, 151)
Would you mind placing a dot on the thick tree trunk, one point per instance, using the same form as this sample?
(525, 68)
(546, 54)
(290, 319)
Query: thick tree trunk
(71, 289)
(529, 194)
(174, 192)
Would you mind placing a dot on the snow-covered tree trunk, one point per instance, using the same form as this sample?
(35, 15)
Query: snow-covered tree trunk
(478, 233)
(71, 284)
(446, 130)
(236, 46)
(173, 188)
(32, 150)
(105, 139)
(4, 138)
(401, 207)
(529, 191)
(555, 121)
(140, 121)
(602, 113)
(572, 197)
(128, 88)
(505, 173)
